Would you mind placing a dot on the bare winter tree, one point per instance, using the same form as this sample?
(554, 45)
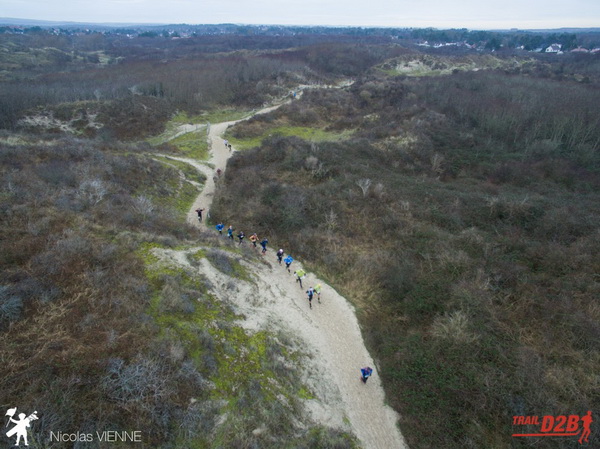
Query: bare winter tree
(143, 205)
(436, 163)
(331, 220)
(364, 185)
(379, 190)
(92, 191)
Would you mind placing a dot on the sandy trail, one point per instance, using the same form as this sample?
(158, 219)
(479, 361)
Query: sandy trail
(218, 159)
(329, 331)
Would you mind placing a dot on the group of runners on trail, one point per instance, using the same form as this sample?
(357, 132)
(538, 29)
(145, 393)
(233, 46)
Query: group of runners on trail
(300, 274)
(241, 236)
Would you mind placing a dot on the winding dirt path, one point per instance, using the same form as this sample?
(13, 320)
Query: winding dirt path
(329, 331)
(218, 158)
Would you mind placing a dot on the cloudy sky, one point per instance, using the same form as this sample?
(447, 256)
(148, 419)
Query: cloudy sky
(472, 14)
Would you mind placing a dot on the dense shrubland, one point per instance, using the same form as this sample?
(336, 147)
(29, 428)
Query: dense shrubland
(189, 85)
(74, 332)
(183, 75)
(462, 219)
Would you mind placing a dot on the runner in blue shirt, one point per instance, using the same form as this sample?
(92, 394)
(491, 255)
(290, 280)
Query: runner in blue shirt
(365, 373)
(288, 261)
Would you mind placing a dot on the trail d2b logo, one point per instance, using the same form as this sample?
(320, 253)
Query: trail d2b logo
(20, 425)
(556, 426)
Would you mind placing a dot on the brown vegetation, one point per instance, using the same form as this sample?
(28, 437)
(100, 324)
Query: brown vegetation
(462, 220)
(76, 341)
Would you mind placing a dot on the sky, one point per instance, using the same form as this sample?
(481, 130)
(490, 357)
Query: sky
(471, 14)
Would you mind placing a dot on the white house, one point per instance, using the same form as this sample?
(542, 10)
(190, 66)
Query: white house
(554, 48)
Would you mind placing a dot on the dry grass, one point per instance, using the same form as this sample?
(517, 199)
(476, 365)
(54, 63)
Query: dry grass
(454, 326)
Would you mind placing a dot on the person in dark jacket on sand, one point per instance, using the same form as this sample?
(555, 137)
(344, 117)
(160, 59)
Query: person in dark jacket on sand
(310, 292)
(365, 373)
(264, 243)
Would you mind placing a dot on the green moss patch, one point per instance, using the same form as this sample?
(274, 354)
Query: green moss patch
(192, 144)
(190, 172)
(306, 133)
(228, 264)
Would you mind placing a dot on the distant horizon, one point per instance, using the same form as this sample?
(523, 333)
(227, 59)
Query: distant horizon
(439, 14)
(20, 21)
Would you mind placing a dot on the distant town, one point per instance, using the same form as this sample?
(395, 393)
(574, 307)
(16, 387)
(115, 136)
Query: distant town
(582, 41)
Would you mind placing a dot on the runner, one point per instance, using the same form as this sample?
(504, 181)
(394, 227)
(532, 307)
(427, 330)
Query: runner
(288, 261)
(241, 236)
(318, 292)
(365, 373)
(253, 238)
(220, 227)
(263, 243)
(280, 256)
(199, 212)
(230, 232)
(299, 275)
(310, 292)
